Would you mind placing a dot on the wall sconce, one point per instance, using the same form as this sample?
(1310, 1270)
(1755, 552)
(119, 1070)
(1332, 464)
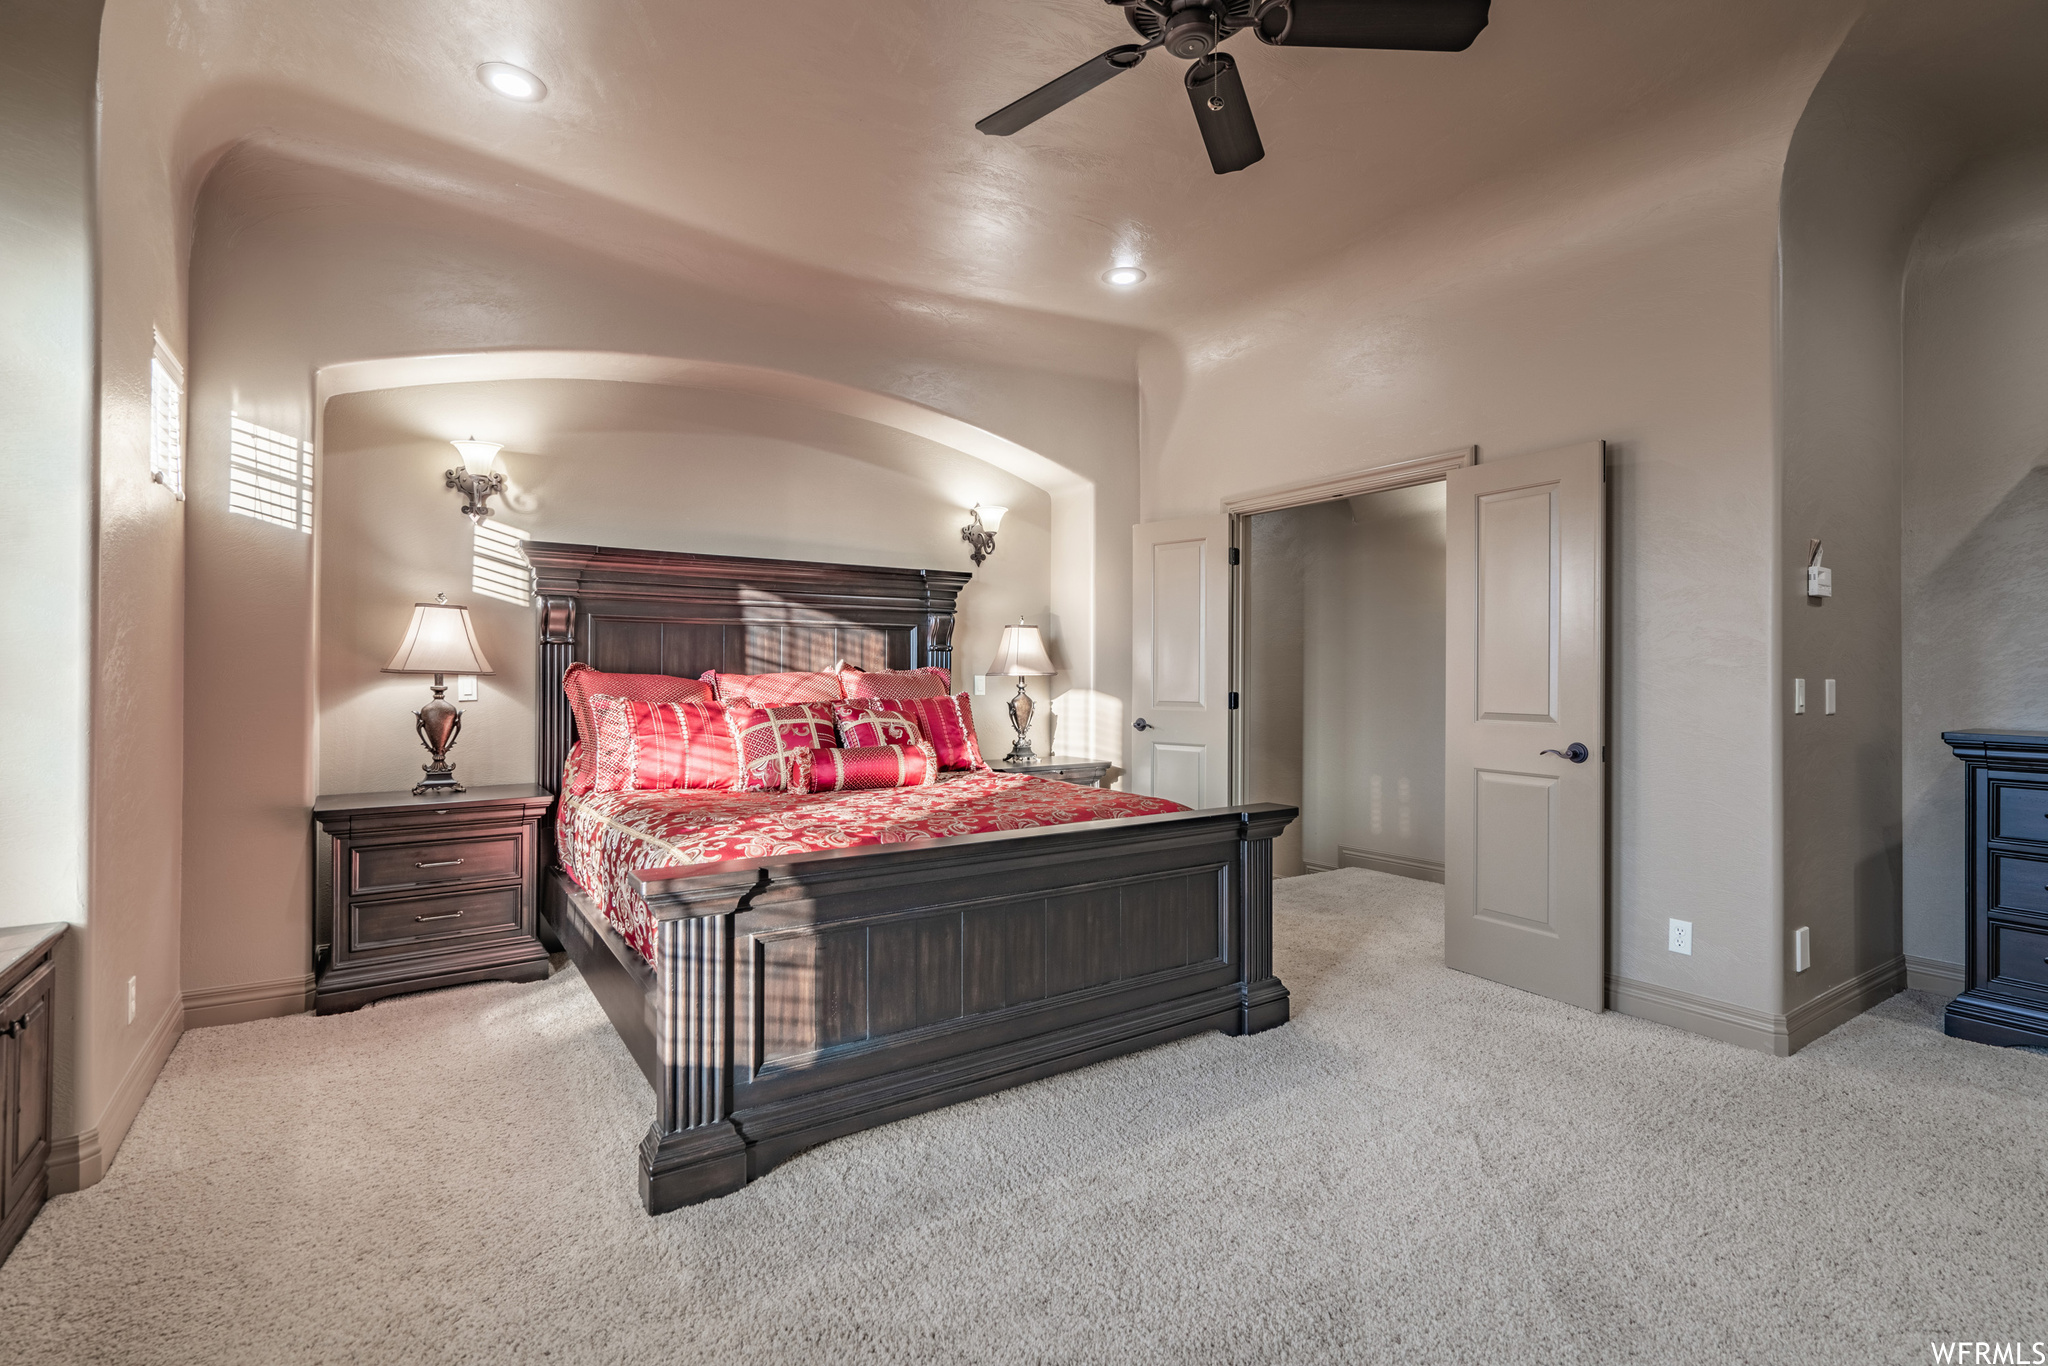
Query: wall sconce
(981, 532)
(475, 478)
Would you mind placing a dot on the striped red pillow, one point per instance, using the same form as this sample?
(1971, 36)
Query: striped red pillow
(580, 683)
(948, 723)
(863, 725)
(651, 746)
(873, 766)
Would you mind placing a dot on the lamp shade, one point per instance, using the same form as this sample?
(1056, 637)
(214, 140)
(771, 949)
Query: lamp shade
(441, 640)
(1021, 653)
(991, 515)
(477, 456)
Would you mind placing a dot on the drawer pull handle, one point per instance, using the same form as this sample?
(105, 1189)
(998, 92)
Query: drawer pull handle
(444, 863)
(446, 915)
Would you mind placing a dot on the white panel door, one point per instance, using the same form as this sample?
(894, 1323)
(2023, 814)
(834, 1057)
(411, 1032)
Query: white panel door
(1525, 724)
(1180, 660)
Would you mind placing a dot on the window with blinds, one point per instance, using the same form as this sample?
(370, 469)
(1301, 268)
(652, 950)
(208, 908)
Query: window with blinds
(270, 475)
(167, 419)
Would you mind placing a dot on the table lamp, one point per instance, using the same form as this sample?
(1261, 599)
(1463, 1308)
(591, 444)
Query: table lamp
(440, 641)
(1021, 655)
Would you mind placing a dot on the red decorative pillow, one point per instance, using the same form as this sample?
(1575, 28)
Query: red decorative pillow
(644, 746)
(863, 725)
(580, 683)
(873, 766)
(770, 741)
(775, 690)
(895, 683)
(948, 724)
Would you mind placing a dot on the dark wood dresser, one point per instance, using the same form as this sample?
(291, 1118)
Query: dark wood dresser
(427, 892)
(28, 985)
(1081, 772)
(2005, 888)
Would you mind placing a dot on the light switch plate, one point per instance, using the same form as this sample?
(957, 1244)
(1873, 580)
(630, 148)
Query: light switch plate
(1820, 581)
(465, 687)
(1799, 697)
(1681, 936)
(1802, 949)
(981, 685)
(1827, 689)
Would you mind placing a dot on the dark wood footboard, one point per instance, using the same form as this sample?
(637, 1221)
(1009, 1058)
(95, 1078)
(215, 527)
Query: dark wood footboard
(793, 1000)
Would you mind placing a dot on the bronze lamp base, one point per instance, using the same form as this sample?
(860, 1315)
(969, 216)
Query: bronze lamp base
(438, 723)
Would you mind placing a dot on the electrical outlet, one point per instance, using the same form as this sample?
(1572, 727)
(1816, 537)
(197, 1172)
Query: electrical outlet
(1802, 949)
(1681, 936)
(981, 685)
(465, 687)
(131, 1000)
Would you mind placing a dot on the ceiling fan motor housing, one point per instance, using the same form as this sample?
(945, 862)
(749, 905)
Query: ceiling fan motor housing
(1191, 32)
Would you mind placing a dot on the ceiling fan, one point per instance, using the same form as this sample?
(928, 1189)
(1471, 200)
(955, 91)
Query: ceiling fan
(1192, 29)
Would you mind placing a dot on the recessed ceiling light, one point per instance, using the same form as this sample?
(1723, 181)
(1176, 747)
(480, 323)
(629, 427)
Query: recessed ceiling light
(1123, 275)
(514, 83)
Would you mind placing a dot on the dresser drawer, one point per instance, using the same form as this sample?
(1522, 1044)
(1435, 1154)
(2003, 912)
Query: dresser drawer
(2017, 955)
(2019, 884)
(2019, 811)
(429, 920)
(426, 863)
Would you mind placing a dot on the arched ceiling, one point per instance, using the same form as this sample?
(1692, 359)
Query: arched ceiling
(840, 136)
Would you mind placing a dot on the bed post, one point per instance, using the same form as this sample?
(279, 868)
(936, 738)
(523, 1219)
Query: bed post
(1263, 1000)
(694, 1151)
(556, 728)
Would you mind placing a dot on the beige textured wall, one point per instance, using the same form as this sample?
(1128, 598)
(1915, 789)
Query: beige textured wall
(1627, 295)
(1976, 494)
(297, 266)
(650, 467)
(1274, 560)
(1858, 175)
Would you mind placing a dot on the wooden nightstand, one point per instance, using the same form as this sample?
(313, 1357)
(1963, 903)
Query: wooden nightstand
(1080, 772)
(427, 892)
(28, 984)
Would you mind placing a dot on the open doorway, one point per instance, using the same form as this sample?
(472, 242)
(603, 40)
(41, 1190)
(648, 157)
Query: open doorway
(1342, 668)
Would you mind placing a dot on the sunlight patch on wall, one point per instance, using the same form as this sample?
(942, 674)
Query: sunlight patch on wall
(498, 567)
(270, 475)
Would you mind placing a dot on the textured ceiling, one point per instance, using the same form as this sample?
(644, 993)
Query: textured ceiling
(840, 135)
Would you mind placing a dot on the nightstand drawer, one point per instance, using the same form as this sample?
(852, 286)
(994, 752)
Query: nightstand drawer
(425, 863)
(2019, 811)
(2017, 955)
(374, 925)
(2019, 884)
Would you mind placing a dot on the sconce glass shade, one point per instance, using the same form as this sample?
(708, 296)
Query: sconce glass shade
(478, 456)
(440, 640)
(991, 517)
(1021, 654)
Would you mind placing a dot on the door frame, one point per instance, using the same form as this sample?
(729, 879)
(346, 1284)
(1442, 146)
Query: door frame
(1427, 469)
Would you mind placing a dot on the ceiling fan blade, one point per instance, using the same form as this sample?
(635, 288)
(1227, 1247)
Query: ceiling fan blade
(1223, 113)
(1412, 25)
(1058, 91)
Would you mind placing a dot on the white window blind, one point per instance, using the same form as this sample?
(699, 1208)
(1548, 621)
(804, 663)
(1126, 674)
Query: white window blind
(498, 567)
(167, 419)
(270, 475)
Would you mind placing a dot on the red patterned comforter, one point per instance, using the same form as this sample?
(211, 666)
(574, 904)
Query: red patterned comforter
(604, 836)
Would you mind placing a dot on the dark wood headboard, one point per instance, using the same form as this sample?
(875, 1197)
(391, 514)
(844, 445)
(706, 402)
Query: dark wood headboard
(661, 612)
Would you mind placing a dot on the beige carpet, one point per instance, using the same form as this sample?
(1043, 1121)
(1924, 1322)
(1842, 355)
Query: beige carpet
(1422, 1167)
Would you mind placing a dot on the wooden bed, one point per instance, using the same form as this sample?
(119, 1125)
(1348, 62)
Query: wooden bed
(799, 998)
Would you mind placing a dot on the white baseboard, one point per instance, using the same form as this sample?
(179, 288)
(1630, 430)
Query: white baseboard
(1932, 974)
(82, 1159)
(1782, 1035)
(245, 1001)
(1420, 869)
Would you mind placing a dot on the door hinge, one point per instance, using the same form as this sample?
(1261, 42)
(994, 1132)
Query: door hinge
(1233, 701)
(1233, 554)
